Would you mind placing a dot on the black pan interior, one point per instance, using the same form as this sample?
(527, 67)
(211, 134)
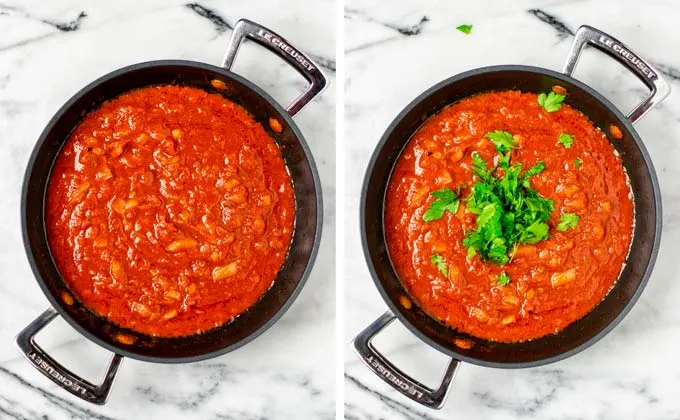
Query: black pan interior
(647, 217)
(308, 215)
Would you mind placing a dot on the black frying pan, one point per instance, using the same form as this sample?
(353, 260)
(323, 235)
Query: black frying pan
(576, 336)
(302, 251)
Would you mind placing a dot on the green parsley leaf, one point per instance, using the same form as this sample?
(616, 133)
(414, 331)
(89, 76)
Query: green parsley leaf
(534, 170)
(503, 279)
(446, 200)
(551, 102)
(473, 241)
(504, 162)
(466, 29)
(440, 263)
(498, 252)
(444, 194)
(502, 140)
(479, 167)
(568, 221)
(565, 140)
(577, 163)
(535, 232)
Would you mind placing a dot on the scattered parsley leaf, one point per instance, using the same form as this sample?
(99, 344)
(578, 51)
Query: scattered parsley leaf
(577, 163)
(446, 200)
(502, 140)
(503, 279)
(440, 263)
(568, 221)
(466, 29)
(551, 102)
(565, 140)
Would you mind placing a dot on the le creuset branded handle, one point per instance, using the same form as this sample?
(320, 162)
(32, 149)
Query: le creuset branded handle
(96, 394)
(407, 386)
(278, 45)
(650, 76)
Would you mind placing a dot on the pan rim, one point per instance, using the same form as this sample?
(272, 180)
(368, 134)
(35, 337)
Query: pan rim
(396, 309)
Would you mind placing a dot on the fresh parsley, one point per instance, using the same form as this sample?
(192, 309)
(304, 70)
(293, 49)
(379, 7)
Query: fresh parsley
(466, 29)
(504, 143)
(551, 102)
(568, 221)
(440, 263)
(534, 170)
(503, 140)
(479, 167)
(509, 211)
(577, 163)
(503, 279)
(565, 140)
(446, 200)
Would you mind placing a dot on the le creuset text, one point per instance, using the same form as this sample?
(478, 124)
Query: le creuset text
(623, 52)
(53, 373)
(395, 380)
(278, 43)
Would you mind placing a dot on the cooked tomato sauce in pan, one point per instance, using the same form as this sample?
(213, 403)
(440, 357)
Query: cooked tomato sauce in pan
(544, 286)
(169, 210)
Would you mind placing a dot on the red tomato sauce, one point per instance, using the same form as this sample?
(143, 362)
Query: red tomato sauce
(554, 282)
(169, 211)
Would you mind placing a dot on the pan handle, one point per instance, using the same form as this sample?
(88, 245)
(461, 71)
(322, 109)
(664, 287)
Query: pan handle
(96, 394)
(407, 386)
(278, 45)
(649, 75)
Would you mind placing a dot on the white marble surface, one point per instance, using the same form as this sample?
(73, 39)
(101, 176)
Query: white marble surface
(634, 372)
(287, 372)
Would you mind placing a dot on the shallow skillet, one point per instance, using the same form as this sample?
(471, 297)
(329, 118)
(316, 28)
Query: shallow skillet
(576, 336)
(290, 279)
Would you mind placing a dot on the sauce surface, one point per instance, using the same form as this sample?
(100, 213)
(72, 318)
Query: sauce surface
(169, 210)
(554, 282)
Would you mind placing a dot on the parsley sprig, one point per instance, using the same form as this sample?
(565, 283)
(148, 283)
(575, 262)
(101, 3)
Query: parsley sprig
(503, 279)
(509, 212)
(568, 221)
(504, 143)
(502, 140)
(440, 263)
(446, 200)
(551, 102)
(466, 29)
(565, 140)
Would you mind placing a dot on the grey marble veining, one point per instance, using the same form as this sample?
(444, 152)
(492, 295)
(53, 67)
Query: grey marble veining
(48, 51)
(392, 55)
